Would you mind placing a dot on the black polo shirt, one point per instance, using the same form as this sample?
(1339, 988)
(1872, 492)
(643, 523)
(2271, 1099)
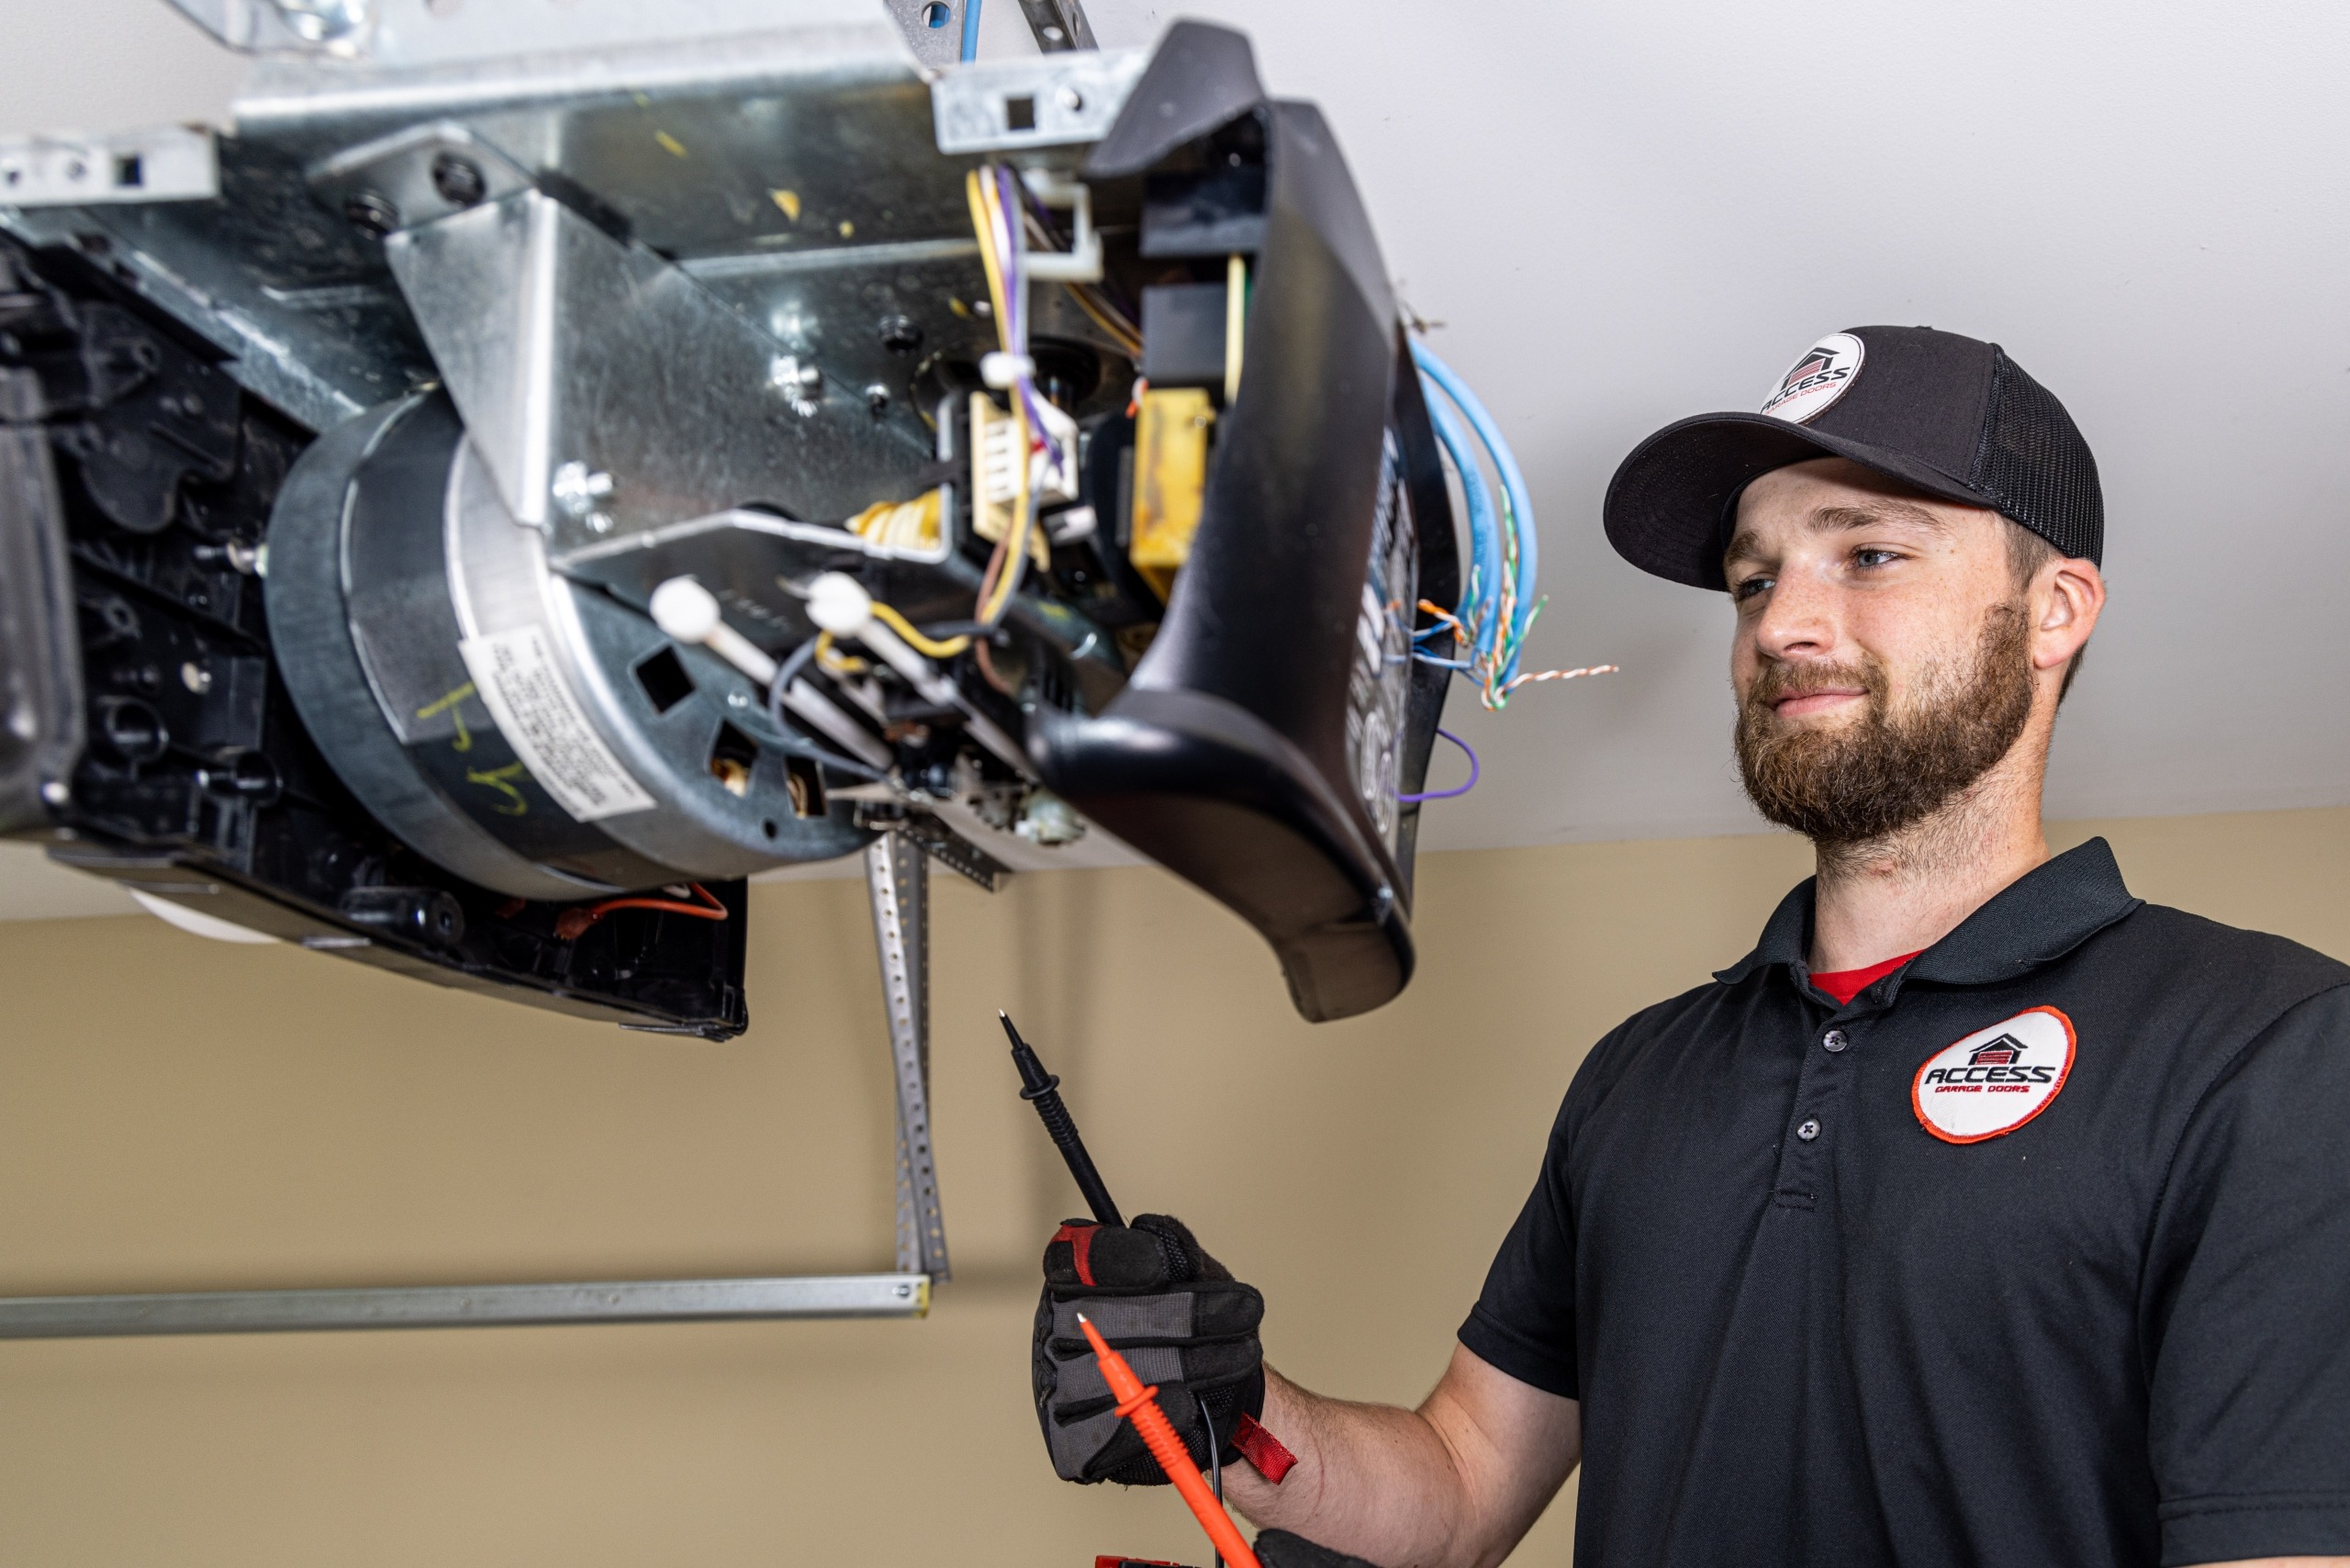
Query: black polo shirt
(2037, 1253)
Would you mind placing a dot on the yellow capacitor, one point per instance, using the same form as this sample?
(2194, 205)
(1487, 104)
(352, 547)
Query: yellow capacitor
(1171, 477)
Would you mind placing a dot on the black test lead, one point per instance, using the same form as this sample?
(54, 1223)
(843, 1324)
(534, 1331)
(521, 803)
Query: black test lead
(1043, 1089)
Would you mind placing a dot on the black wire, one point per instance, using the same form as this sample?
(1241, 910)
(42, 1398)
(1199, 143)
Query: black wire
(1215, 1457)
(784, 676)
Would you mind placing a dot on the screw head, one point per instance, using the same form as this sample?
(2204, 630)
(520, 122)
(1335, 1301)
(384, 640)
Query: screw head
(371, 213)
(876, 399)
(458, 180)
(900, 334)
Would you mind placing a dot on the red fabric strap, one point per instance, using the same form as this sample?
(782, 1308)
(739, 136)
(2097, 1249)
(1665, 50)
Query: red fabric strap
(1081, 1245)
(1846, 984)
(1262, 1449)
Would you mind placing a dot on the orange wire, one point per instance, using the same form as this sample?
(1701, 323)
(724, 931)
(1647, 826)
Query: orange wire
(572, 924)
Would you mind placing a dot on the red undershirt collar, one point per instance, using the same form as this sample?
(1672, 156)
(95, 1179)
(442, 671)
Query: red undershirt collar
(1846, 984)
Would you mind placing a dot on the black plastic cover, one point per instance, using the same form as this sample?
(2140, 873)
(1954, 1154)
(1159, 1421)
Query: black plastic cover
(1238, 755)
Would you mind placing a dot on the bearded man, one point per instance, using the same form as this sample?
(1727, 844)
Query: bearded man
(1981, 1215)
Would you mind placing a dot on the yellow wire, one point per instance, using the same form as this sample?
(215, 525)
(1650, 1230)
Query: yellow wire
(986, 211)
(838, 663)
(1015, 544)
(975, 190)
(904, 628)
(1117, 332)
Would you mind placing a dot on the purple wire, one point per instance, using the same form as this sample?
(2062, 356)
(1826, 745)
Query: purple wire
(1448, 794)
(1009, 191)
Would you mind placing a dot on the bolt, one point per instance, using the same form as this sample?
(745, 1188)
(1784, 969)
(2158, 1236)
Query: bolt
(1070, 99)
(577, 489)
(876, 399)
(55, 792)
(458, 180)
(370, 213)
(196, 677)
(900, 334)
(800, 384)
(323, 21)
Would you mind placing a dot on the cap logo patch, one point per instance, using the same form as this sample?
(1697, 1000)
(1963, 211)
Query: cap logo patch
(1996, 1079)
(1821, 374)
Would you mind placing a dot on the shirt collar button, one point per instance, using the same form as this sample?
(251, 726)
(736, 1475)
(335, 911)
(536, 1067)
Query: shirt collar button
(1834, 1040)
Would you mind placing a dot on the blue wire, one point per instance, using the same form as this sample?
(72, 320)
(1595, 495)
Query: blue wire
(1513, 481)
(971, 29)
(1484, 529)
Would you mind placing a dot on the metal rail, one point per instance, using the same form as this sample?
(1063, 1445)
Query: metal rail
(897, 877)
(463, 1306)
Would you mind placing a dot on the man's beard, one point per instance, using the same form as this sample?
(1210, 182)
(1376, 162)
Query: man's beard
(1868, 780)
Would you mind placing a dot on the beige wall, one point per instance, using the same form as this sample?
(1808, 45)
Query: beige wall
(175, 1113)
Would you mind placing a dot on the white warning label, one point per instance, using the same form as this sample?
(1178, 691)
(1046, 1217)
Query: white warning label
(526, 693)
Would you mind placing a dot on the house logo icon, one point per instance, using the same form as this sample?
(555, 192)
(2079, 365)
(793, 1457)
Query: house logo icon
(2000, 1050)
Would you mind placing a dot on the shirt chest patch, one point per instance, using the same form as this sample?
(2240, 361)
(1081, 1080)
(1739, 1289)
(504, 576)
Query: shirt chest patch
(1995, 1080)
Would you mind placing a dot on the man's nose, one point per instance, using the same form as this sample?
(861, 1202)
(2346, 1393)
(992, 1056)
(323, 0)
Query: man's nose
(1800, 621)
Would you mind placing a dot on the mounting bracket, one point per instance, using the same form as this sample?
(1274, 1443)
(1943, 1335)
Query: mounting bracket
(897, 876)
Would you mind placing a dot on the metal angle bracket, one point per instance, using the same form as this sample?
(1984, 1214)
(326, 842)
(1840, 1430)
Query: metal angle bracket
(897, 876)
(571, 352)
(416, 175)
(1043, 100)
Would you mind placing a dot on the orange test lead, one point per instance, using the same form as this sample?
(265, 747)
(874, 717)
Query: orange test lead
(1138, 1404)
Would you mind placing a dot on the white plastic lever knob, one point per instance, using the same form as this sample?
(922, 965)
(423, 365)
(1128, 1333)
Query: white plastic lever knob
(685, 610)
(838, 603)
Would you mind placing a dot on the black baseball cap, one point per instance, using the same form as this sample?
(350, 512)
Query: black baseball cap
(1945, 414)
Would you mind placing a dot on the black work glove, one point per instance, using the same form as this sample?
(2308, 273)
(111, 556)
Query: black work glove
(1279, 1549)
(1181, 1319)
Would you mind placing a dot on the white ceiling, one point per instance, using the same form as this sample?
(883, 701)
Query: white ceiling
(1630, 210)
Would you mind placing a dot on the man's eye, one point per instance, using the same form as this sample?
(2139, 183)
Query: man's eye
(1747, 588)
(1869, 557)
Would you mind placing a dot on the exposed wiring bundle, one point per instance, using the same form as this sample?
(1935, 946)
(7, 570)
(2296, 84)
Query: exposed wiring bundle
(1500, 604)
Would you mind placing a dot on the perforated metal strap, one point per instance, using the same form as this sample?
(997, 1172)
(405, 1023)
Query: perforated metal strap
(897, 877)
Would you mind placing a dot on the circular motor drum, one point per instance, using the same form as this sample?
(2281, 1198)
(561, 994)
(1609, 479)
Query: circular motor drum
(532, 734)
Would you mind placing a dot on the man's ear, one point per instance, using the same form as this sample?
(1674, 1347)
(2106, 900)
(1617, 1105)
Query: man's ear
(2066, 598)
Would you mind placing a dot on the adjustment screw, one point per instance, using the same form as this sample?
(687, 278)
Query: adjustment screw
(1834, 1040)
(1808, 1130)
(458, 180)
(370, 213)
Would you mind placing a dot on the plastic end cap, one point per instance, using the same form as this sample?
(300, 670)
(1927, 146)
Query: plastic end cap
(685, 610)
(1005, 371)
(838, 603)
